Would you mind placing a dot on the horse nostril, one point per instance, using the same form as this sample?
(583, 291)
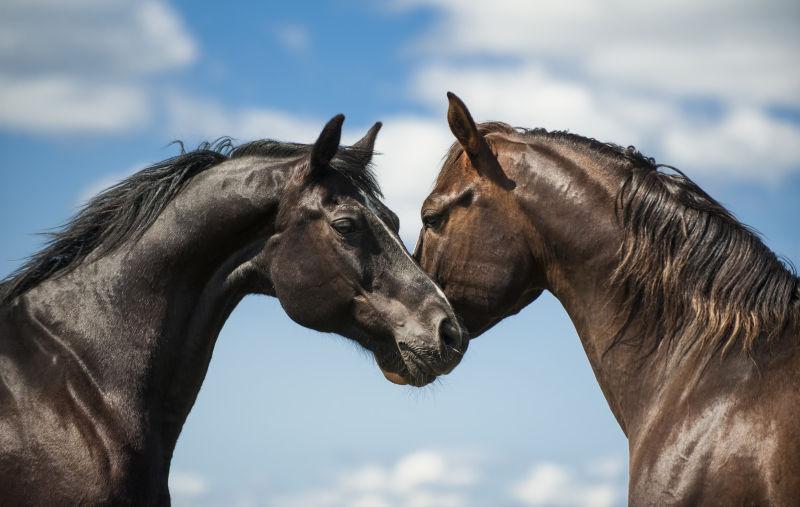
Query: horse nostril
(451, 336)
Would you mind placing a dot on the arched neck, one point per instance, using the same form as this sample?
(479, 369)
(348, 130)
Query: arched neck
(144, 319)
(570, 205)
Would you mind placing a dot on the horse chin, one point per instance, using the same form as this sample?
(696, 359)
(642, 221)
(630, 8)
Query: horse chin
(394, 378)
(397, 372)
(419, 380)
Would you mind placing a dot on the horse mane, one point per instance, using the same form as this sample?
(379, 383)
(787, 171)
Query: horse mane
(126, 209)
(689, 268)
(686, 266)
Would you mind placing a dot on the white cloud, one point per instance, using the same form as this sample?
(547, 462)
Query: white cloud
(606, 468)
(167, 42)
(293, 37)
(192, 117)
(527, 95)
(410, 154)
(742, 51)
(187, 485)
(554, 485)
(623, 71)
(367, 478)
(62, 103)
(735, 71)
(545, 484)
(429, 478)
(420, 479)
(424, 468)
(121, 37)
(746, 143)
(742, 141)
(82, 67)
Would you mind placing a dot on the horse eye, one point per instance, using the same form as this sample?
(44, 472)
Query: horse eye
(344, 225)
(431, 219)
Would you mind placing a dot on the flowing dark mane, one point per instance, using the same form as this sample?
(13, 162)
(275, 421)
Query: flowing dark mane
(128, 208)
(687, 267)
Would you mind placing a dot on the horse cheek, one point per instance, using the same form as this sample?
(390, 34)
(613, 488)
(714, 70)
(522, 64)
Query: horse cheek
(309, 291)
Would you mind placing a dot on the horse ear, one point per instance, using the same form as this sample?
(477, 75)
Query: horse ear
(326, 146)
(366, 144)
(477, 149)
(463, 127)
(368, 141)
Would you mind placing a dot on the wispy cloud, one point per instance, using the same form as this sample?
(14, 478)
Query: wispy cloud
(624, 72)
(436, 478)
(556, 485)
(423, 478)
(83, 67)
(741, 141)
(187, 485)
(293, 37)
(410, 150)
(204, 118)
(742, 51)
(58, 103)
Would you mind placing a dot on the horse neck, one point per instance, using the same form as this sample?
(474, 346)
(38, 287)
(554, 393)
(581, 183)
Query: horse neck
(144, 319)
(569, 199)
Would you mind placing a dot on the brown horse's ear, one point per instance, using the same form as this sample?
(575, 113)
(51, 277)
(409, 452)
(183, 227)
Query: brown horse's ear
(475, 146)
(326, 146)
(366, 144)
(463, 127)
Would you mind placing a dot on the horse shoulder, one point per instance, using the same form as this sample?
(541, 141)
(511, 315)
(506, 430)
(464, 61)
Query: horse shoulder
(56, 446)
(736, 443)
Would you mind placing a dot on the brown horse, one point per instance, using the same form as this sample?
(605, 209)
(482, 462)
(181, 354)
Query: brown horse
(690, 323)
(107, 333)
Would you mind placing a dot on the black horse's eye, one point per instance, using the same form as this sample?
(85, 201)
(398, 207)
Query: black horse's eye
(344, 225)
(431, 219)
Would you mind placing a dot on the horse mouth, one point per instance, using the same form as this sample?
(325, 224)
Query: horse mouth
(410, 367)
(406, 368)
(418, 379)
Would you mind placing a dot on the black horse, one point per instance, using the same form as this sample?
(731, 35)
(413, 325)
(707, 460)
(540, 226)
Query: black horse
(107, 333)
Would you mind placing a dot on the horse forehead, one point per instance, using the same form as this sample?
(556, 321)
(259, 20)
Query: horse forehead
(456, 174)
(380, 210)
(451, 181)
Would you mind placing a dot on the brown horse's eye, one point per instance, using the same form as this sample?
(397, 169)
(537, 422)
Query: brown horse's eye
(344, 226)
(431, 219)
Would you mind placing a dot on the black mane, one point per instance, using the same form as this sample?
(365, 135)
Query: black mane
(129, 207)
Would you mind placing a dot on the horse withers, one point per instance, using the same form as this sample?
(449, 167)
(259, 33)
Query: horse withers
(691, 324)
(107, 333)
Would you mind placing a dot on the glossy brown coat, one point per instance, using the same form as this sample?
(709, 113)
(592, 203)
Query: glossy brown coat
(690, 323)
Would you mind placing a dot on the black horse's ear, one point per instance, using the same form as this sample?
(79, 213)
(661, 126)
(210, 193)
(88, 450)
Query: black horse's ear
(326, 146)
(365, 146)
(463, 127)
(368, 141)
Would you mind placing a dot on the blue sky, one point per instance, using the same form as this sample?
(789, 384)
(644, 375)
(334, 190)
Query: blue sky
(92, 90)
